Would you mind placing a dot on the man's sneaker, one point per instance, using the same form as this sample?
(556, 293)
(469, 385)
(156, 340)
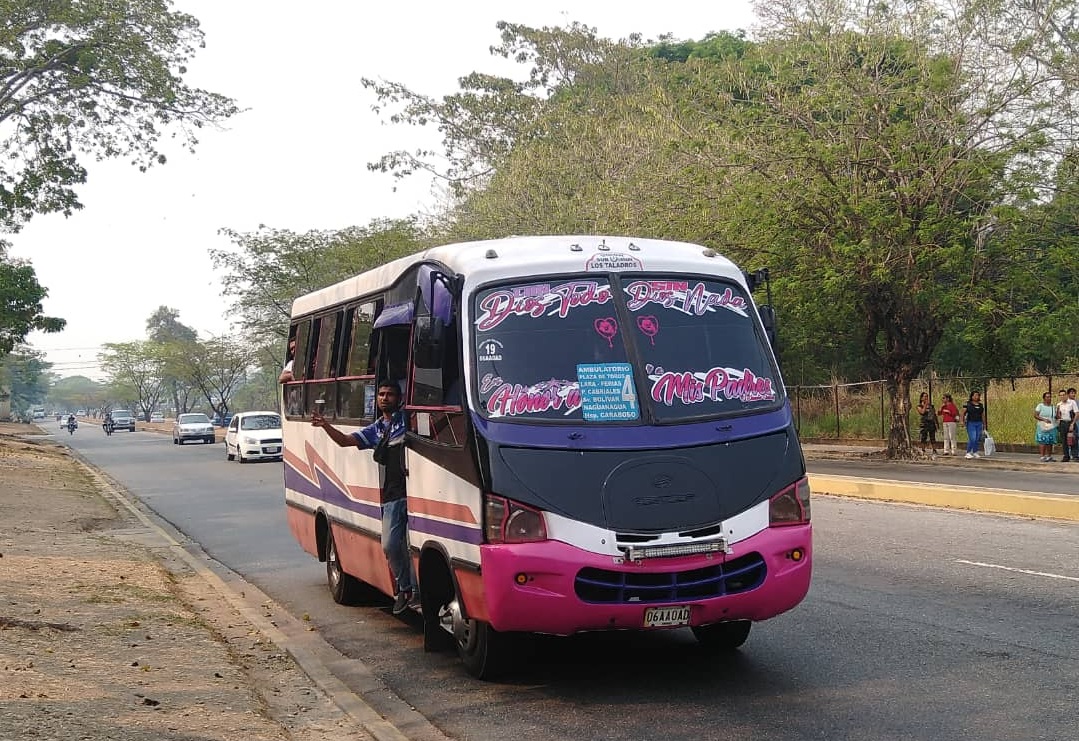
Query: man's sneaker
(968, 456)
(400, 602)
(977, 455)
(414, 601)
(1051, 459)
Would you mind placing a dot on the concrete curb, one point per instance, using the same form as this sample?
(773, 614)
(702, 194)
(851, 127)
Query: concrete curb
(996, 501)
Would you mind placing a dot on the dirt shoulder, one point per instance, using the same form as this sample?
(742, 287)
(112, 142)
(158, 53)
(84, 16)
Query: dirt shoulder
(98, 640)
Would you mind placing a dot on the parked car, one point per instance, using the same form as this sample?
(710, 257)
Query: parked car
(220, 421)
(157, 417)
(253, 436)
(123, 419)
(192, 426)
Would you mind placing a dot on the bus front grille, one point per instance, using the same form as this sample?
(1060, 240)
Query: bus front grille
(623, 587)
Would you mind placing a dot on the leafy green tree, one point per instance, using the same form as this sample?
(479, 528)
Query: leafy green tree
(220, 367)
(102, 78)
(20, 303)
(24, 373)
(76, 392)
(272, 267)
(177, 341)
(136, 372)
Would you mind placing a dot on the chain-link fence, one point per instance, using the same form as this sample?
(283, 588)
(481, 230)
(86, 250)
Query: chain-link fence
(862, 411)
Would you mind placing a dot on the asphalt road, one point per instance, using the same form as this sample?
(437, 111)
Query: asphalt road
(921, 624)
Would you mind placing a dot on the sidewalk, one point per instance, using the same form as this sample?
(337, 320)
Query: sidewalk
(1005, 501)
(104, 636)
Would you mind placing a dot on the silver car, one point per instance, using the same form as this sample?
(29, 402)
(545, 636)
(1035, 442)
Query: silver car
(192, 426)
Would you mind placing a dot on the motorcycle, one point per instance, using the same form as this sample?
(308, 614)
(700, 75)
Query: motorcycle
(108, 427)
(71, 427)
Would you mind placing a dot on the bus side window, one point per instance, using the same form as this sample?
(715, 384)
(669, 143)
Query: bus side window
(355, 389)
(321, 386)
(294, 401)
(435, 360)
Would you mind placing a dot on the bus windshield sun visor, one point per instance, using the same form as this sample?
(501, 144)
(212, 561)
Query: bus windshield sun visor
(436, 294)
(396, 314)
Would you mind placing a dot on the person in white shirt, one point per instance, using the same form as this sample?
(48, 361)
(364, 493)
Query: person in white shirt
(1067, 417)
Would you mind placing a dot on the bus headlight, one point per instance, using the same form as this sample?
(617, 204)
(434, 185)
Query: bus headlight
(790, 506)
(506, 521)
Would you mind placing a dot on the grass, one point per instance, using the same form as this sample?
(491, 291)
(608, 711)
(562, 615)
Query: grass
(1009, 408)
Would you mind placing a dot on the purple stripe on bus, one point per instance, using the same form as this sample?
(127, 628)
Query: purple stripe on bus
(328, 492)
(632, 437)
(448, 530)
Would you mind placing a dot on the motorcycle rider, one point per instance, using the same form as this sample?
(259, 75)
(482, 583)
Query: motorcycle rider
(107, 424)
(72, 423)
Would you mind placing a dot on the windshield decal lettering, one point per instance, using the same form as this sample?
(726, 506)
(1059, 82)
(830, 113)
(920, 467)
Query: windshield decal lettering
(513, 399)
(717, 384)
(538, 301)
(677, 295)
(607, 328)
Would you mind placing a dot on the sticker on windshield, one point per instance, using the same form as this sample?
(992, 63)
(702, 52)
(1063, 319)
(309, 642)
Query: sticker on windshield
(538, 301)
(717, 384)
(605, 262)
(649, 327)
(607, 392)
(514, 399)
(607, 328)
(490, 351)
(677, 295)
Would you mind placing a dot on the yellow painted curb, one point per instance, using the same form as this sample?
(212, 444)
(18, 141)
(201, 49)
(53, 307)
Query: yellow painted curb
(998, 501)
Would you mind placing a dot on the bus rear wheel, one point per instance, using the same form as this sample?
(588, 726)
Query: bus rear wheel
(344, 588)
(721, 637)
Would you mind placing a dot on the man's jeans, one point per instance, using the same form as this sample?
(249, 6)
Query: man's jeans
(395, 543)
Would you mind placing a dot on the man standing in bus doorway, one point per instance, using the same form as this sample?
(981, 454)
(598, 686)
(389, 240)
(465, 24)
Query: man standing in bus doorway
(386, 436)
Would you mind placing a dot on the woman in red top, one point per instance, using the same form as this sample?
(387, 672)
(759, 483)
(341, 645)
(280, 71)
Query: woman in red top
(949, 415)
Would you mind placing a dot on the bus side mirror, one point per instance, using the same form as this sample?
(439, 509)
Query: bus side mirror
(768, 319)
(430, 333)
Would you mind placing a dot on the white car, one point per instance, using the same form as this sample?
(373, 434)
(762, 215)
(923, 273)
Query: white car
(253, 436)
(192, 426)
(157, 417)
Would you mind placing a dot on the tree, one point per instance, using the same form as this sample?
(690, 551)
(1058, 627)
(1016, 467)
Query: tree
(272, 267)
(20, 303)
(176, 341)
(76, 392)
(24, 373)
(136, 372)
(101, 78)
(220, 366)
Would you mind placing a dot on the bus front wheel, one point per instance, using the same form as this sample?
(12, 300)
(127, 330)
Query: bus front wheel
(723, 636)
(483, 650)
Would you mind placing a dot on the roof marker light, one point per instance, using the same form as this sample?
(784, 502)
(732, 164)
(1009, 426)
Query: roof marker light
(576, 248)
(491, 255)
(603, 246)
(709, 253)
(634, 248)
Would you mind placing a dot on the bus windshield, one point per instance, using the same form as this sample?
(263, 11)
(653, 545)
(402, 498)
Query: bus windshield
(559, 350)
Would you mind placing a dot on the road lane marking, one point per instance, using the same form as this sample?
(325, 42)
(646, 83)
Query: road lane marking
(1019, 571)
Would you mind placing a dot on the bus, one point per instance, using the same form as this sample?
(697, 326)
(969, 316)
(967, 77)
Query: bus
(598, 439)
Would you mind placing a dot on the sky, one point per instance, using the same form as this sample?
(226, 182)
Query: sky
(295, 159)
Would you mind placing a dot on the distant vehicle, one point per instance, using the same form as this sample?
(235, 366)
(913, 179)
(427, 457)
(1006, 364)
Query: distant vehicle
(157, 417)
(253, 436)
(192, 426)
(80, 413)
(123, 419)
(220, 421)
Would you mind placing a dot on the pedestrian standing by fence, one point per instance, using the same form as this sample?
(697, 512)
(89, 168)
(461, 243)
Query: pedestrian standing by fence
(1066, 412)
(974, 421)
(949, 414)
(928, 423)
(1045, 431)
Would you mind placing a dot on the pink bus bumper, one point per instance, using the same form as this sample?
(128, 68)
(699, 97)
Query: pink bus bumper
(533, 587)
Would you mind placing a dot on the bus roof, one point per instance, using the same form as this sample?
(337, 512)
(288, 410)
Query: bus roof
(527, 257)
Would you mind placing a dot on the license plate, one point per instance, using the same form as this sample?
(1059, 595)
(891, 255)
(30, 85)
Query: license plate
(275, 449)
(666, 617)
